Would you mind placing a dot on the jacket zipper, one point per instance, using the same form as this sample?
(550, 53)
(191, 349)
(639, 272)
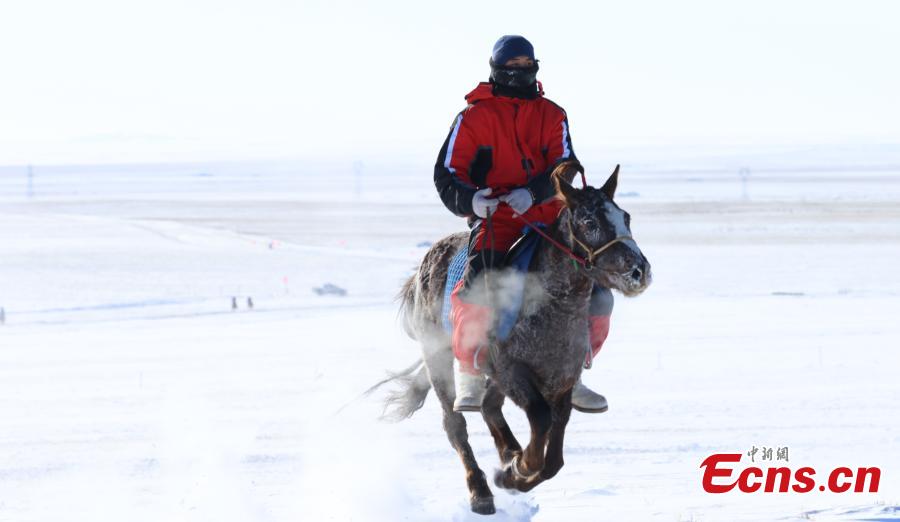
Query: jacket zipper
(519, 144)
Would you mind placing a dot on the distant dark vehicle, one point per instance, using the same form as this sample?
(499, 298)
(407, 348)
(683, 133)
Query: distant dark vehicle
(330, 289)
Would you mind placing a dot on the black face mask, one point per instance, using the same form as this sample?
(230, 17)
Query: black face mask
(519, 78)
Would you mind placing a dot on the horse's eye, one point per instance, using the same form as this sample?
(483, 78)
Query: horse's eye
(590, 224)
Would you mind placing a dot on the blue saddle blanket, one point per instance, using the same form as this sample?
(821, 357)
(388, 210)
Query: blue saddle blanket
(513, 288)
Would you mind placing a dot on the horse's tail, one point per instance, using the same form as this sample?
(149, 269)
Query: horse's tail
(407, 298)
(414, 385)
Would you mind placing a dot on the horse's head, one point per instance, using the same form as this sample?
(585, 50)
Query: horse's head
(600, 232)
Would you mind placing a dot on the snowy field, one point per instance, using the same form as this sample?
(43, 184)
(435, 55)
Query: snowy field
(130, 389)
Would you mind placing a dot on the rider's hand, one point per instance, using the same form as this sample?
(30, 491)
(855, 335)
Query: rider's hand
(520, 200)
(481, 203)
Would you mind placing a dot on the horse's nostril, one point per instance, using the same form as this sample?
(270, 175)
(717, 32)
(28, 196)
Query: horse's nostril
(636, 274)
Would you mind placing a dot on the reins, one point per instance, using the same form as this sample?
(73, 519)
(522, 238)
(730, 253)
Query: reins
(585, 262)
(565, 250)
(489, 297)
(588, 262)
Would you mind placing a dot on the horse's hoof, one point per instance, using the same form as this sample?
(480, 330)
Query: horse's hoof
(503, 478)
(483, 506)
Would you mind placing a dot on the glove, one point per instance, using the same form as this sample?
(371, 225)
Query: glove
(520, 200)
(481, 203)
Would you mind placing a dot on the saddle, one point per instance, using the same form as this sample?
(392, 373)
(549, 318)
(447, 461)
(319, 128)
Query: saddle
(519, 258)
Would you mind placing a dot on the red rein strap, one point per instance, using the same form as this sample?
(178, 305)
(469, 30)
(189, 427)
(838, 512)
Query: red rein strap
(566, 250)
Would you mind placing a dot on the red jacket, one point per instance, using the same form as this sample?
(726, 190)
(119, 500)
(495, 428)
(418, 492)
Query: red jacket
(501, 142)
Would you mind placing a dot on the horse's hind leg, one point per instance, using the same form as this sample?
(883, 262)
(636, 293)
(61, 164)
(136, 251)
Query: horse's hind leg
(491, 409)
(480, 496)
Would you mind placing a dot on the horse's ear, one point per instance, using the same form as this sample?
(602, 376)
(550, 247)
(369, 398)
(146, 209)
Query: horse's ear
(562, 177)
(609, 188)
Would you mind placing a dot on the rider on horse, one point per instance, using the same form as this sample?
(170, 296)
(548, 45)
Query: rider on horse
(504, 144)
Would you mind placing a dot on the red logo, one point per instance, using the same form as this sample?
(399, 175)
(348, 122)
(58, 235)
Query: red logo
(720, 475)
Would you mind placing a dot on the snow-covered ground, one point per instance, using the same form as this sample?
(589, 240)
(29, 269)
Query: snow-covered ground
(130, 389)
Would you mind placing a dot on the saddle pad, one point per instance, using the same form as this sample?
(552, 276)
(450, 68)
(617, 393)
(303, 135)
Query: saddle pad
(514, 287)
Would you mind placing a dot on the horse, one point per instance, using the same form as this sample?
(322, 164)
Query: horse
(537, 365)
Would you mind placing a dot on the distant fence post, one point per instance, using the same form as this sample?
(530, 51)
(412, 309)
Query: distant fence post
(30, 192)
(358, 167)
(744, 173)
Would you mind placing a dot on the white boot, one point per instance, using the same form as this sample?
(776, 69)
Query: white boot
(469, 390)
(587, 400)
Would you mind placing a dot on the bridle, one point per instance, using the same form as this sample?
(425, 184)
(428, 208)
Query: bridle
(586, 262)
(591, 254)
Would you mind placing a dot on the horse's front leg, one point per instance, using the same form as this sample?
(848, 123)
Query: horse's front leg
(562, 409)
(492, 411)
(516, 475)
(524, 473)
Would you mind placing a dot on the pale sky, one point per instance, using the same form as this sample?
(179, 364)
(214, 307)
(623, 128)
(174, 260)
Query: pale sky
(96, 81)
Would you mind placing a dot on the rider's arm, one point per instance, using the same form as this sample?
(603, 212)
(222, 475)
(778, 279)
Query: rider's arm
(451, 170)
(558, 142)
